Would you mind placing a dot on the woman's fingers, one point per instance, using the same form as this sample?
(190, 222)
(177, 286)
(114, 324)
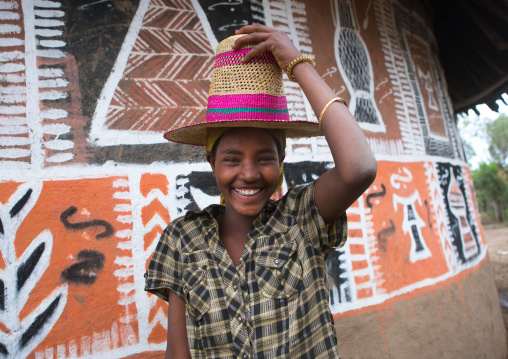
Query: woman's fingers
(266, 39)
(247, 29)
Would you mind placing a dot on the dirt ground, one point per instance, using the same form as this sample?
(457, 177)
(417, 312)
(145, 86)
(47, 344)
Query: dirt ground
(497, 241)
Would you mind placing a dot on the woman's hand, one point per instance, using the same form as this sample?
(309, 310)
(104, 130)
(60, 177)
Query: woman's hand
(268, 39)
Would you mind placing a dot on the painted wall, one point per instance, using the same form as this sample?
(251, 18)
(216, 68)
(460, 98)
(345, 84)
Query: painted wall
(87, 183)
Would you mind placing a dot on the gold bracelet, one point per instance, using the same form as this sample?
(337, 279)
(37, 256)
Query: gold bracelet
(339, 99)
(296, 61)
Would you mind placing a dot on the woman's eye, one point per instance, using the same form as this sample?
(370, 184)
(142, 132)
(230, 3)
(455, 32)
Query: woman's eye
(231, 159)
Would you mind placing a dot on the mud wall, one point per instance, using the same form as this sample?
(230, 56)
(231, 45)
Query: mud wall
(87, 183)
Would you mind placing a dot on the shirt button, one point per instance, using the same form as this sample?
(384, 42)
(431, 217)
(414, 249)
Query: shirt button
(240, 319)
(235, 286)
(245, 355)
(276, 261)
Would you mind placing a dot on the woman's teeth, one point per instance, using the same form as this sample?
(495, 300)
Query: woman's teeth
(248, 192)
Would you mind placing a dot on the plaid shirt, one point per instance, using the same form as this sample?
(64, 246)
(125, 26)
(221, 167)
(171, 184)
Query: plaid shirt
(274, 303)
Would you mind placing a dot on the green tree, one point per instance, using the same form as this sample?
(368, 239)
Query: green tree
(497, 133)
(491, 190)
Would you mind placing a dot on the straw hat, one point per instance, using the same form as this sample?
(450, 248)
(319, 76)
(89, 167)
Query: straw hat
(244, 95)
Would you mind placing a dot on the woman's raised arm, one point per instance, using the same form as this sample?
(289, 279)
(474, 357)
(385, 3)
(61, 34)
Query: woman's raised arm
(355, 165)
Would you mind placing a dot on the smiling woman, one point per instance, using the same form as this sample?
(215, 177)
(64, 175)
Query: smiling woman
(247, 278)
(246, 166)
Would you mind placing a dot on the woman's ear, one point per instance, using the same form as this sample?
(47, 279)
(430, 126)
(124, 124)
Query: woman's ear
(211, 160)
(282, 156)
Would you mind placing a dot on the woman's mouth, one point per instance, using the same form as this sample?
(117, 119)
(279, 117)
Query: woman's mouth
(247, 192)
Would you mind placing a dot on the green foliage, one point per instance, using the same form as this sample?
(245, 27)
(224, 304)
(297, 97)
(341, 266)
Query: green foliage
(497, 132)
(491, 190)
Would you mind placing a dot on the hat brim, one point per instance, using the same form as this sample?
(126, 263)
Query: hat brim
(195, 134)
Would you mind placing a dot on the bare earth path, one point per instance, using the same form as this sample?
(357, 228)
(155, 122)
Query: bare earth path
(497, 241)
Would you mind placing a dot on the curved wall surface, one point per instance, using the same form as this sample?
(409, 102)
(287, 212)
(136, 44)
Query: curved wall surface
(87, 183)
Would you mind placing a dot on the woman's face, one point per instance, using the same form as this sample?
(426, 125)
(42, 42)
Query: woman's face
(246, 165)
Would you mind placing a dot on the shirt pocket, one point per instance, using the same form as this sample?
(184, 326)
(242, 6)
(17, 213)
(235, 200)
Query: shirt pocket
(205, 302)
(278, 269)
(194, 286)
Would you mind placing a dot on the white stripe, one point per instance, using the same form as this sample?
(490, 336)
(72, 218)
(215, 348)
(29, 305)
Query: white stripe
(125, 287)
(48, 4)
(12, 110)
(12, 78)
(48, 23)
(124, 219)
(49, 13)
(123, 208)
(8, 15)
(10, 68)
(8, 5)
(126, 233)
(125, 245)
(32, 95)
(11, 55)
(11, 41)
(124, 272)
(50, 72)
(9, 29)
(13, 90)
(53, 54)
(53, 95)
(122, 195)
(12, 98)
(12, 120)
(48, 32)
(14, 153)
(122, 182)
(54, 114)
(56, 129)
(53, 83)
(13, 130)
(52, 43)
(14, 141)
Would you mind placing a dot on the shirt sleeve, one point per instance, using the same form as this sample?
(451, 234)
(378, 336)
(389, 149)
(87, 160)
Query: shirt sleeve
(325, 236)
(165, 268)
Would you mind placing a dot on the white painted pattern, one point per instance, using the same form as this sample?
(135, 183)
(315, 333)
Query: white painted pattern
(32, 91)
(17, 294)
(97, 131)
(411, 136)
(12, 74)
(438, 212)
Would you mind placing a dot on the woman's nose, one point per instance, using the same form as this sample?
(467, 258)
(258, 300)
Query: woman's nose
(249, 171)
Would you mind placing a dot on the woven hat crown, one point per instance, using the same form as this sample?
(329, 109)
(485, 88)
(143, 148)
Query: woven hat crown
(261, 75)
(244, 95)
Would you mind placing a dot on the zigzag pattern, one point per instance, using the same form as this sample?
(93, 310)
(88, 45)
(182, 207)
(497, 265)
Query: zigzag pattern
(154, 217)
(167, 18)
(166, 78)
(142, 66)
(173, 4)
